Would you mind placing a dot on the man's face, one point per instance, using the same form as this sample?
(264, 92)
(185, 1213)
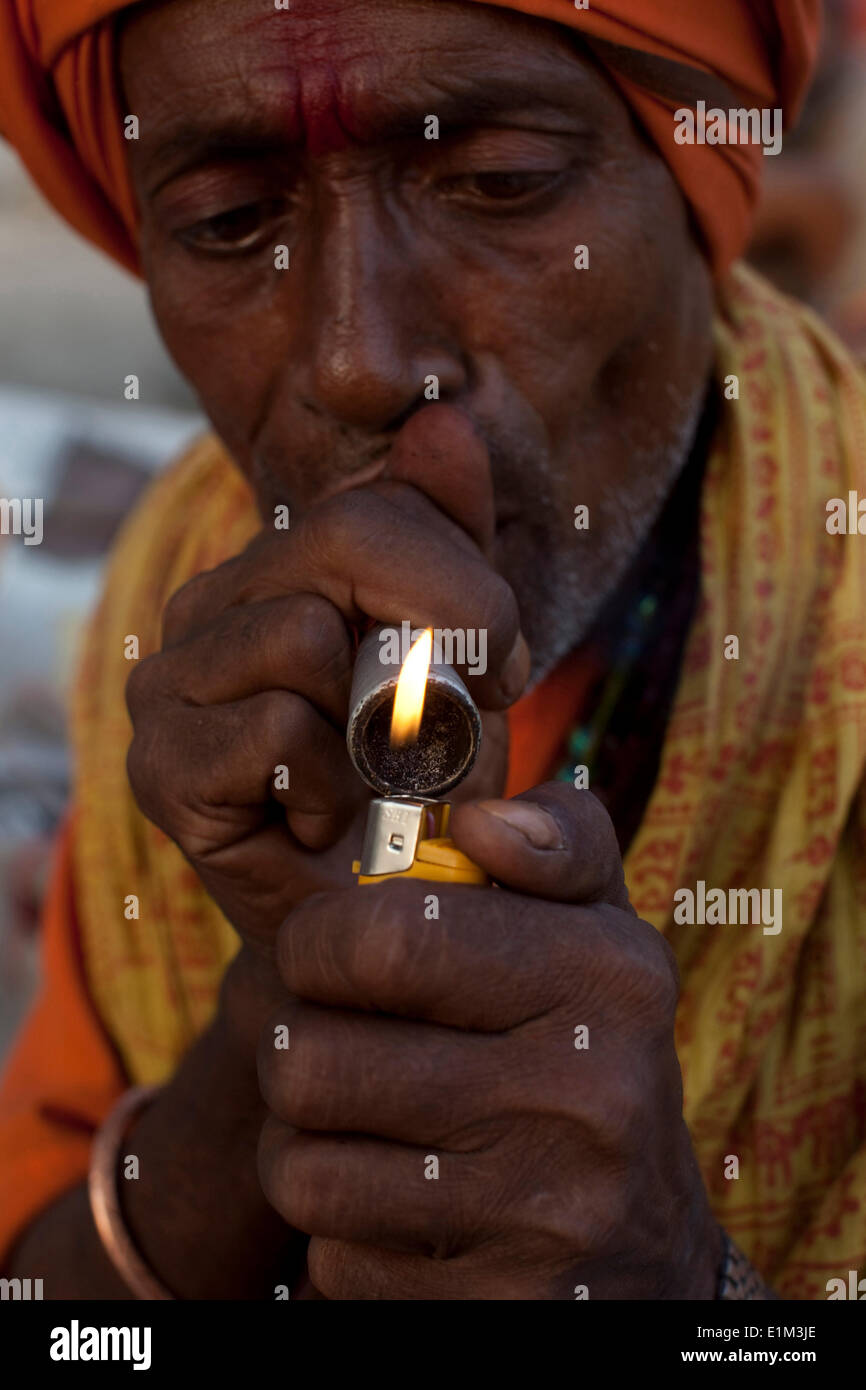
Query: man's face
(413, 257)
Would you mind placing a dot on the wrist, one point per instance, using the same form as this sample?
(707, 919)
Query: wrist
(211, 1236)
(701, 1267)
(103, 1186)
(699, 1255)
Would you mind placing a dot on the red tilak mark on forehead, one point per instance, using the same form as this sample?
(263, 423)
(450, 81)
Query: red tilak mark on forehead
(325, 120)
(325, 134)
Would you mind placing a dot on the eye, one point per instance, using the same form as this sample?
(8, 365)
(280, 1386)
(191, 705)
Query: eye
(239, 229)
(503, 186)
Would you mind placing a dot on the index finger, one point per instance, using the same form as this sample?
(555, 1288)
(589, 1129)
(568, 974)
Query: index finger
(491, 961)
(384, 552)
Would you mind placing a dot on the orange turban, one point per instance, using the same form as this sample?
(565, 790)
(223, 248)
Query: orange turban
(59, 102)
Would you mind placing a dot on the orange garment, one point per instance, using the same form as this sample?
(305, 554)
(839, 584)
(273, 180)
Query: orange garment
(60, 107)
(539, 723)
(63, 1075)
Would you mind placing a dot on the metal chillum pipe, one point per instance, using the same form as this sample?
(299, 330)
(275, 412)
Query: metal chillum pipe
(448, 740)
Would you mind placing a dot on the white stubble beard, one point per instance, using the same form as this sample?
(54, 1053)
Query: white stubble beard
(558, 592)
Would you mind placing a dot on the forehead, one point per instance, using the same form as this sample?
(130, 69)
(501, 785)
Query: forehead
(367, 66)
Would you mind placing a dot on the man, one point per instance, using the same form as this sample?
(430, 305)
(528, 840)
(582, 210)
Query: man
(450, 290)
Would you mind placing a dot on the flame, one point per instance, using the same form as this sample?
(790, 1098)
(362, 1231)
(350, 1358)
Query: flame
(411, 689)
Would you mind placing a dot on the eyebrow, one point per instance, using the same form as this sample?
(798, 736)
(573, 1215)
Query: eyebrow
(193, 142)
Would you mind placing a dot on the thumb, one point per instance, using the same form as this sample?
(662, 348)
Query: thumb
(551, 842)
(441, 452)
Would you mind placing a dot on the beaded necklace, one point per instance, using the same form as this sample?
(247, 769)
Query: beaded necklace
(640, 642)
(585, 740)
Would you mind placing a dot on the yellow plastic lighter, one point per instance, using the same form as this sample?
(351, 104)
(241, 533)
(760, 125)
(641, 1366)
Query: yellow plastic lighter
(405, 838)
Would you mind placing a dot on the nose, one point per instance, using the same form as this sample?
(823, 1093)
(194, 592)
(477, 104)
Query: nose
(373, 331)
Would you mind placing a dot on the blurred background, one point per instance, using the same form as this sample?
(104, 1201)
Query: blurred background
(72, 326)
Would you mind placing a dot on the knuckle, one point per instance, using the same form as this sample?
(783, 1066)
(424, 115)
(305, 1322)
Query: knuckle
(389, 941)
(671, 970)
(271, 1160)
(311, 1198)
(176, 774)
(600, 1222)
(574, 1214)
(281, 717)
(640, 967)
(141, 685)
(336, 527)
(557, 1218)
(271, 1060)
(179, 613)
(336, 1269)
(141, 761)
(620, 1127)
(658, 985)
(609, 1215)
(499, 610)
(152, 767)
(308, 1082)
(284, 945)
(135, 771)
(593, 823)
(313, 618)
(319, 635)
(301, 942)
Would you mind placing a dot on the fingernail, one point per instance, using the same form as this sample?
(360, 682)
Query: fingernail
(534, 823)
(515, 672)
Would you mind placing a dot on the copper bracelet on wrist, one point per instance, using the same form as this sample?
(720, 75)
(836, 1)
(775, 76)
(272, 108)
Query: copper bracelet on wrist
(102, 1185)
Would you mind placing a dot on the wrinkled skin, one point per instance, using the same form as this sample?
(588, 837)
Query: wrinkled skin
(413, 1036)
(412, 257)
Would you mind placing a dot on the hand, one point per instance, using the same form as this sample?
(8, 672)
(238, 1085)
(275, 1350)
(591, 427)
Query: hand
(454, 1039)
(255, 673)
